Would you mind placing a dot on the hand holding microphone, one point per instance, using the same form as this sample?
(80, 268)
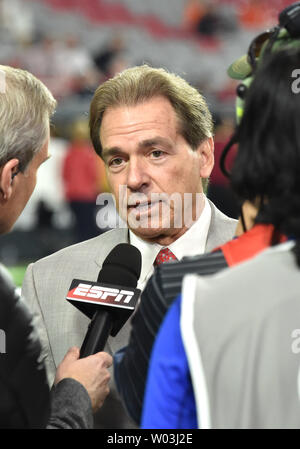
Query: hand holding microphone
(92, 372)
(111, 300)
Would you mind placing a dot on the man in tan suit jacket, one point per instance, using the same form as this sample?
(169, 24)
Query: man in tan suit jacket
(154, 133)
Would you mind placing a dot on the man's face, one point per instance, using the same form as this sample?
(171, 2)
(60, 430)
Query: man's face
(144, 151)
(23, 188)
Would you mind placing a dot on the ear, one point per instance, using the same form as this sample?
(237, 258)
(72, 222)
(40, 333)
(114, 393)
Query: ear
(206, 152)
(6, 178)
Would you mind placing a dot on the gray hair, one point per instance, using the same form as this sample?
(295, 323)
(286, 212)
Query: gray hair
(26, 106)
(140, 83)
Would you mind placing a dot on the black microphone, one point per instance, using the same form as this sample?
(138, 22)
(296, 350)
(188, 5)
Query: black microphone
(110, 301)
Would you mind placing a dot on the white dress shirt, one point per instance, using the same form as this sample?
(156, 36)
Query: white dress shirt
(191, 243)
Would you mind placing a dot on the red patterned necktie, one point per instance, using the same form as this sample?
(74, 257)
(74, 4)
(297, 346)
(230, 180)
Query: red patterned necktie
(164, 256)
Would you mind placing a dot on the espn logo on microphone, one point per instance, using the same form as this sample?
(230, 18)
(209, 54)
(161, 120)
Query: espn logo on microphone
(102, 294)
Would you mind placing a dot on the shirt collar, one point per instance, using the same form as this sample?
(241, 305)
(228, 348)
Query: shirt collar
(193, 241)
(149, 252)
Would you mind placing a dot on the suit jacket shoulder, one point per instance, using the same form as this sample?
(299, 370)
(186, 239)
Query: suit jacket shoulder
(96, 249)
(221, 230)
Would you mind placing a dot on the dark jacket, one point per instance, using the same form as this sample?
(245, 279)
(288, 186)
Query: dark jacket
(24, 392)
(25, 400)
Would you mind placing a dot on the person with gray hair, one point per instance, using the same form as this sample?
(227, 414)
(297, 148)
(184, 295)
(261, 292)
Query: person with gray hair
(139, 84)
(81, 386)
(26, 108)
(154, 133)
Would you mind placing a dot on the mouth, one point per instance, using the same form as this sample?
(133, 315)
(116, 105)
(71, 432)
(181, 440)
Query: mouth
(144, 207)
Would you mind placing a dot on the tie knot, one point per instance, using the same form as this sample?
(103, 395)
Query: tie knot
(164, 256)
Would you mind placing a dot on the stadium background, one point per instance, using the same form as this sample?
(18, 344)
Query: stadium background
(74, 45)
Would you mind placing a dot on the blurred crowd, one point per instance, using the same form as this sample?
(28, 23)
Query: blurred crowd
(63, 63)
(67, 66)
(72, 71)
(212, 18)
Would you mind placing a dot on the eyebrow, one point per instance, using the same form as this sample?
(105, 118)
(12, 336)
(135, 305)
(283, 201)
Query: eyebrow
(107, 152)
(155, 141)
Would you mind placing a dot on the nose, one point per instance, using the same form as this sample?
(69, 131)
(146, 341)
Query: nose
(138, 178)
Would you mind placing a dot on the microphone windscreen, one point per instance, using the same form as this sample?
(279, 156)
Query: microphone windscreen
(122, 266)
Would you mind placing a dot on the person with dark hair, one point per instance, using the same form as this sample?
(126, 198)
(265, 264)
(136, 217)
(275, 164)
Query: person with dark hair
(227, 342)
(166, 283)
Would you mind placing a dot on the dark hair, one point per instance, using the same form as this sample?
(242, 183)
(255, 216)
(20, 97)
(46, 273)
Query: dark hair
(267, 165)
